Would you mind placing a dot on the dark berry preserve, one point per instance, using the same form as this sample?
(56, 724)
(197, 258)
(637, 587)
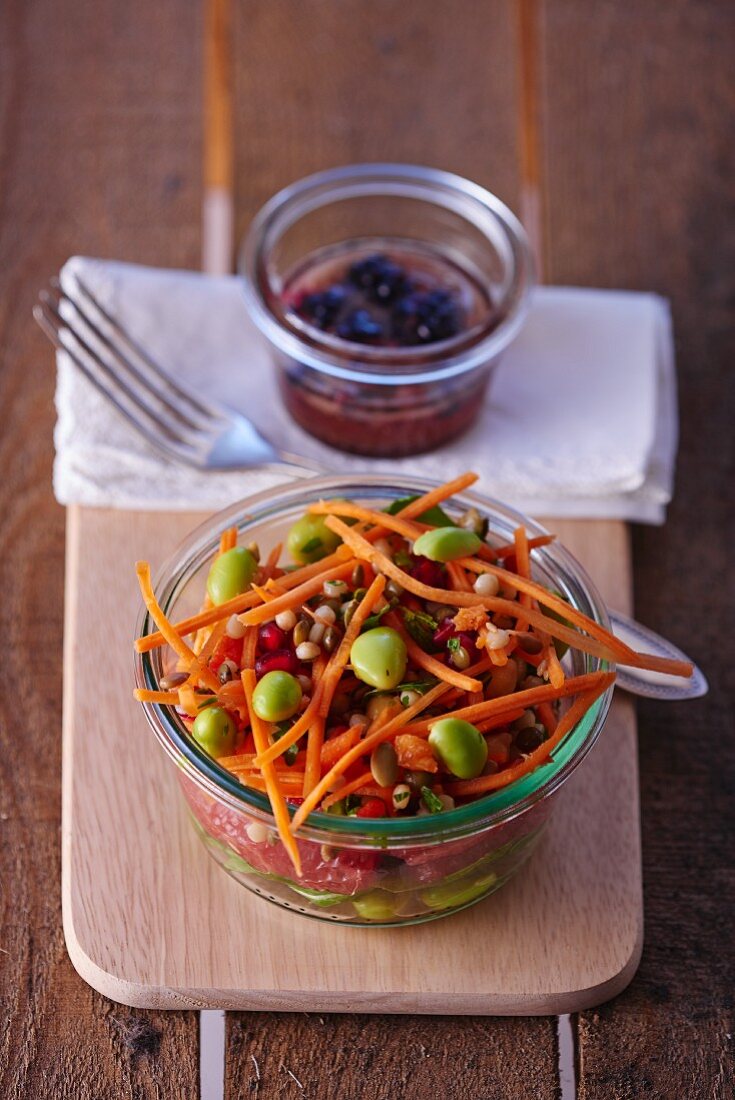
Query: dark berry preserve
(386, 293)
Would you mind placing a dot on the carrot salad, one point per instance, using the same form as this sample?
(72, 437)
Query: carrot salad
(386, 663)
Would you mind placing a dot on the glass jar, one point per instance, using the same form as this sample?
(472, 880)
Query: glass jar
(385, 871)
(374, 399)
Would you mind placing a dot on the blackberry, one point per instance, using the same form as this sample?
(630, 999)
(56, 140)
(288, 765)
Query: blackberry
(360, 327)
(437, 317)
(322, 307)
(382, 280)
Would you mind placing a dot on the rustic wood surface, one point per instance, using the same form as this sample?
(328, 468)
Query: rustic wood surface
(100, 153)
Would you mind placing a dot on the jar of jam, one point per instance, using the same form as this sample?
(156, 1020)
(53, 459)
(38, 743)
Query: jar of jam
(387, 293)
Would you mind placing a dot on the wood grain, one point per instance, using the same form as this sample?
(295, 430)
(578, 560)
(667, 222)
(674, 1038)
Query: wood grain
(408, 1058)
(95, 104)
(639, 107)
(320, 84)
(131, 883)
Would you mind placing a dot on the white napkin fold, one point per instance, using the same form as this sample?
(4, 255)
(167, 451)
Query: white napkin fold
(580, 418)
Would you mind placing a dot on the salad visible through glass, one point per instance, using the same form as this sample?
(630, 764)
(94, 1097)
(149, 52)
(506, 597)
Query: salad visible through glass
(381, 665)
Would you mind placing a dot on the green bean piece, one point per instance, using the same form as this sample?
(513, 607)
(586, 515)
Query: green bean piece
(459, 746)
(447, 544)
(378, 658)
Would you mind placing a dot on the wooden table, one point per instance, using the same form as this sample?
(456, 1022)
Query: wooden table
(623, 135)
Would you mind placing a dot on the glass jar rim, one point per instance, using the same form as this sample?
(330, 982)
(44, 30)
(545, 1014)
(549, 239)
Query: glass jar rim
(498, 808)
(378, 366)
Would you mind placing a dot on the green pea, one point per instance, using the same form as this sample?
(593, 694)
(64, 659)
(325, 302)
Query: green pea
(214, 730)
(447, 543)
(310, 539)
(230, 574)
(276, 696)
(378, 657)
(451, 894)
(460, 746)
(377, 905)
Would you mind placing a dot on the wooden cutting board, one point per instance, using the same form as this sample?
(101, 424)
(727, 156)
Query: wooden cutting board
(151, 921)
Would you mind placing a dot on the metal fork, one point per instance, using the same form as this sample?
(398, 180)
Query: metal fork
(180, 425)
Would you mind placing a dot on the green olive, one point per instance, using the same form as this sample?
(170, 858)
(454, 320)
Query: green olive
(460, 746)
(447, 543)
(214, 730)
(378, 657)
(230, 574)
(377, 905)
(276, 696)
(310, 539)
(451, 894)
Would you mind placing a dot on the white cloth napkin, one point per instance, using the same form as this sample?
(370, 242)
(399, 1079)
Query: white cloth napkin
(580, 418)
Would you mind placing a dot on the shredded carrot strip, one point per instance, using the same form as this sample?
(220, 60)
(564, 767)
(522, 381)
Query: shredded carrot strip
(168, 698)
(349, 788)
(296, 596)
(341, 655)
(556, 672)
(341, 508)
(509, 549)
(364, 747)
(523, 568)
(431, 664)
(337, 746)
(517, 700)
(271, 563)
(436, 496)
(545, 712)
(458, 577)
(487, 724)
(179, 646)
(576, 712)
(298, 729)
(609, 649)
(314, 743)
(240, 603)
(205, 653)
(270, 777)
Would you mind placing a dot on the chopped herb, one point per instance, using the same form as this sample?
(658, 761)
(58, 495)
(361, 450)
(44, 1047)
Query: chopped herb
(374, 620)
(433, 804)
(207, 702)
(453, 644)
(402, 796)
(403, 559)
(289, 756)
(421, 627)
(313, 544)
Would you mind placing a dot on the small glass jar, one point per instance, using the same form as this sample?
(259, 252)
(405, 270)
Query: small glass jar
(369, 398)
(382, 871)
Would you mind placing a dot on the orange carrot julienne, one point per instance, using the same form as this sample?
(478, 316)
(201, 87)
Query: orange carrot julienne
(166, 698)
(609, 648)
(458, 577)
(546, 714)
(431, 664)
(576, 712)
(337, 746)
(314, 743)
(296, 596)
(383, 733)
(349, 788)
(240, 603)
(508, 549)
(517, 700)
(298, 729)
(437, 496)
(270, 777)
(523, 569)
(168, 631)
(341, 655)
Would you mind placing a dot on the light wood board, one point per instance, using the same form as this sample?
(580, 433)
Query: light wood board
(151, 921)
